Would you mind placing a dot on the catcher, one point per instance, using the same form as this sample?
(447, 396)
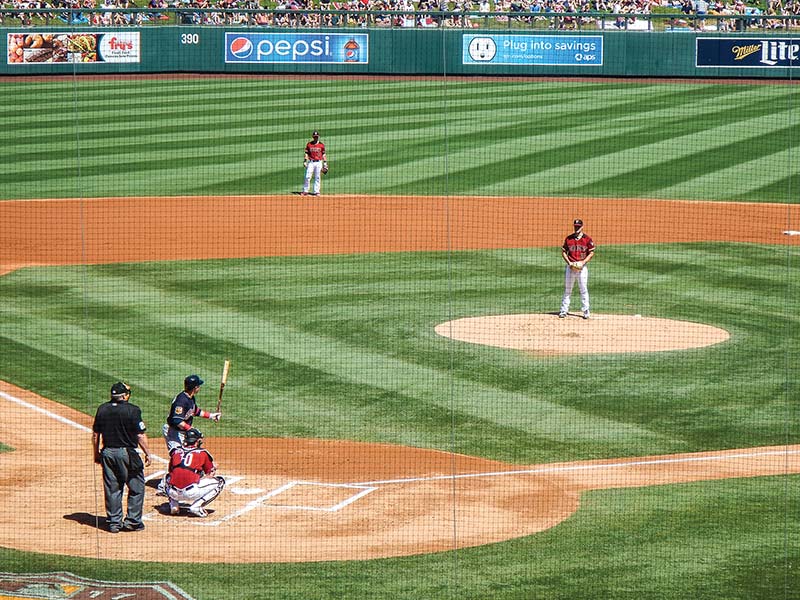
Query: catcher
(577, 251)
(315, 162)
(191, 481)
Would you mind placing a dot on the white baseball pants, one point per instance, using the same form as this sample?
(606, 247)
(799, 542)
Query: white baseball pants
(198, 494)
(173, 437)
(582, 278)
(314, 169)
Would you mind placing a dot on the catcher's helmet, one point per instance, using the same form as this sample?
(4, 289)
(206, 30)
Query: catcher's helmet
(119, 389)
(193, 437)
(191, 382)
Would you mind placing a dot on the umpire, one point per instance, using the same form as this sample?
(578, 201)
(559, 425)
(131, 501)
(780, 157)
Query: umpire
(122, 430)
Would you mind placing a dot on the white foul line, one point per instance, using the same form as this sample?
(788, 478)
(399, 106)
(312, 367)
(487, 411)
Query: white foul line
(46, 412)
(591, 467)
(58, 418)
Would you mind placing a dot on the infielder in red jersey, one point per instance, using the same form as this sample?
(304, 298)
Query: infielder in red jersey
(191, 481)
(316, 162)
(577, 251)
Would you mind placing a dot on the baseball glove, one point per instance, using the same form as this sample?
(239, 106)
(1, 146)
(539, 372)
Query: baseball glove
(324, 168)
(576, 266)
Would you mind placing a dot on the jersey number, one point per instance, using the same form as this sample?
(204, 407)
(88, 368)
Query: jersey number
(187, 460)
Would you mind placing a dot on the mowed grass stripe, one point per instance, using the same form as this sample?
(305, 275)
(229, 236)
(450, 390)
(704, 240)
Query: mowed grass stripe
(640, 169)
(750, 175)
(499, 136)
(354, 365)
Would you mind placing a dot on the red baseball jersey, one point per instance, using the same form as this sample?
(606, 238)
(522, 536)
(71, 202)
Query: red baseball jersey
(578, 249)
(315, 151)
(188, 466)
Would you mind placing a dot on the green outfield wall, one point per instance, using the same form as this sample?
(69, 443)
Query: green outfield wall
(399, 51)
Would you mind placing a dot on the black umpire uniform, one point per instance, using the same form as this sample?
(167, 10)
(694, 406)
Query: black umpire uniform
(122, 430)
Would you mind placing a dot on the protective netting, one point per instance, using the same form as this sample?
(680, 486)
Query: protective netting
(405, 414)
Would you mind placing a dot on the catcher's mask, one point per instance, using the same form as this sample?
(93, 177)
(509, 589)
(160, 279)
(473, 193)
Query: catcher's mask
(193, 437)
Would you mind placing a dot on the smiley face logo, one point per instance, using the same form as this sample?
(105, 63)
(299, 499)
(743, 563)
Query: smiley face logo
(482, 49)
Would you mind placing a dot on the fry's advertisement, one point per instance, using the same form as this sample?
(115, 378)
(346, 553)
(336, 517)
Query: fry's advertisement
(106, 47)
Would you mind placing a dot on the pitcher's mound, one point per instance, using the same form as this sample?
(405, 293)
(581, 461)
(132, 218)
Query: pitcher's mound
(546, 334)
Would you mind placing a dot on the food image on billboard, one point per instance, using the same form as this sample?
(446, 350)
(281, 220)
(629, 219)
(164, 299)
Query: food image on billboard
(107, 47)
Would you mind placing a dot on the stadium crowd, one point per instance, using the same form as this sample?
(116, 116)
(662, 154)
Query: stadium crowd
(559, 14)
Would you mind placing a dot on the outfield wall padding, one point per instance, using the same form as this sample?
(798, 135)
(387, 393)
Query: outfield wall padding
(424, 52)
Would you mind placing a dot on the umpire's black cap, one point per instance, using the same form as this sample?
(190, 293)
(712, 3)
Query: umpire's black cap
(120, 389)
(191, 382)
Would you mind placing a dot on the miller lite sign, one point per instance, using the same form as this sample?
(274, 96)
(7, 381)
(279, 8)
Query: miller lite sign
(751, 52)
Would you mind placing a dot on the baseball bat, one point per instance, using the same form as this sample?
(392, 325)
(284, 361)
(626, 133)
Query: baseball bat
(222, 382)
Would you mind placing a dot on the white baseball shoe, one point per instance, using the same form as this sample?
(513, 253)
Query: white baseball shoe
(586, 314)
(562, 315)
(174, 507)
(198, 512)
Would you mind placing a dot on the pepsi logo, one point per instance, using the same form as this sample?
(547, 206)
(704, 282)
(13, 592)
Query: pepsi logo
(241, 47)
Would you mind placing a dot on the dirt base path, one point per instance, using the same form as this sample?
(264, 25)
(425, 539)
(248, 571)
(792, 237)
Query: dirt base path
(298, 500)
(109, 230)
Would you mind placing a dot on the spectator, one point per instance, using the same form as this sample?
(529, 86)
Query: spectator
(701, 10)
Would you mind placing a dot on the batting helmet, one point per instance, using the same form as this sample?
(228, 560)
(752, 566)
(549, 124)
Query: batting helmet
(191, 382)
(193, 437)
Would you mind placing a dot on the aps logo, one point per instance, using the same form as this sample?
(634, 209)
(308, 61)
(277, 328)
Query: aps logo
(241, 47)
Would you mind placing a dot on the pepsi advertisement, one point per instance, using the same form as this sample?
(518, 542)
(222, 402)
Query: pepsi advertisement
(296, 48)
(562, 50)
(748, 52)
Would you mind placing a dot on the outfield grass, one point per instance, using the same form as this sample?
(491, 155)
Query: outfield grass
(525, 138)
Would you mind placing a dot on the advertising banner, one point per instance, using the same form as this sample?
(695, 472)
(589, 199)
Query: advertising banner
(748, 52)
(321, 48)
(43, 48)
(566, 50)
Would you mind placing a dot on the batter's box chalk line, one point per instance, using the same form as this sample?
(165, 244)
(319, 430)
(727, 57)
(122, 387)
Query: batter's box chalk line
(267, 500)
